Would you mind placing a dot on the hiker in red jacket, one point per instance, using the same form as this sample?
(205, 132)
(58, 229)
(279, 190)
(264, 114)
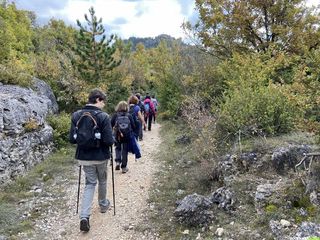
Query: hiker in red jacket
(149, 111)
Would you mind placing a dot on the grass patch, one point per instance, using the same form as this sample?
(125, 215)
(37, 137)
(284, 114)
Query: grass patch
(15, 195)
(180, 169)
(264, 144)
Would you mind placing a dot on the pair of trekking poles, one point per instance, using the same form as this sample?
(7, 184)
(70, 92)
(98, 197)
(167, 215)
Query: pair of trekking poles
(114, 202)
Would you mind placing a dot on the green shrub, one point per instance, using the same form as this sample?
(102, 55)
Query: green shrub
(61, 126)
(262, 110)
(314, 238)
(14, 74)
(271, 208)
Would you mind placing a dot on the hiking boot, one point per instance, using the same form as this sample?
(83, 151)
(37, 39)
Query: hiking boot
(104, 209)
(117, 166)
(84, 224)
(124, 170)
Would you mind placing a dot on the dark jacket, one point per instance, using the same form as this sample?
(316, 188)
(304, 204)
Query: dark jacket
(141, 105)
(102, 152)
(134, 110)
(132, 123)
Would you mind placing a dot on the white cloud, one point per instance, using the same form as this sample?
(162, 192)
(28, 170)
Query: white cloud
(312, 2)
(140, 18)
(159, 17)
(145, 18)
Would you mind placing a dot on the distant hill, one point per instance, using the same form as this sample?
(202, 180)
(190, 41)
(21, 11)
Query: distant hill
(150, 42)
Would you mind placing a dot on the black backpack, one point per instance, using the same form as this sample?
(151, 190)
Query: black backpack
(86, 132)
(122, 127)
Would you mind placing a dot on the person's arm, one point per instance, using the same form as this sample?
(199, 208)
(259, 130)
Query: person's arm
(141, 118)
(72, 127)
(107, 136)
(113, 120)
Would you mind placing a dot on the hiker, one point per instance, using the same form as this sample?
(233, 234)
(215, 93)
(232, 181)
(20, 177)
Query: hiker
(136, 114)
(149, 111)
(155, 104)
(123, 128)
(140, 103)
(91, 131)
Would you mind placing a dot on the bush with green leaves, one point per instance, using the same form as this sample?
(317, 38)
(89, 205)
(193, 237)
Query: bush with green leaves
(61, 126)
(253, 104)
(265, 110)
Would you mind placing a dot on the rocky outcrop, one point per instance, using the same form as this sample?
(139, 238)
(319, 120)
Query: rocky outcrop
(288, 156)
(224, 197)
(194, 210)
(25, 137)
(198, 210)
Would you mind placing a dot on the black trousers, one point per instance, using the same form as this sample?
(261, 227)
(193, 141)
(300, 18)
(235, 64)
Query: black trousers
(122, 154)
(148, 120)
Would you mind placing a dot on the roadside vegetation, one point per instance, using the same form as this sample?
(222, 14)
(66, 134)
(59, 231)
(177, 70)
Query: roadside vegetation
(19, 205)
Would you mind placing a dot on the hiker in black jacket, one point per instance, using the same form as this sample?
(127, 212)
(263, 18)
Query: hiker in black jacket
(123, 127)
(92, 158)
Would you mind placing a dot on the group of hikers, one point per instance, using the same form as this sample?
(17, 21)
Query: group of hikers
(95, 133)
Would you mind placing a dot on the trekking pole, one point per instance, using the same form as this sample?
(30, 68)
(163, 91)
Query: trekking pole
(79, 188)
(112, 173)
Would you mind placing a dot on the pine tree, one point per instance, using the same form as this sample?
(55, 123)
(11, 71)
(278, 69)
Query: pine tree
(94, 52)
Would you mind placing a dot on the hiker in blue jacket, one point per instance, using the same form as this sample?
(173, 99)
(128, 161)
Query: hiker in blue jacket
(93, 159)
(136, 113)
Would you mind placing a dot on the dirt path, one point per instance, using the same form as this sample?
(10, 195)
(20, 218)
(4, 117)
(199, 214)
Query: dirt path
(131, 190)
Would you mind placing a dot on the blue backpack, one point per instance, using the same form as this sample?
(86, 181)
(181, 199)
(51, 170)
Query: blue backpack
(147, 107)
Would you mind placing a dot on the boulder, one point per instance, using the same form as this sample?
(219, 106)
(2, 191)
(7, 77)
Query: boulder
(194, 210)
(307, 229)
(25, 137)
(224, 197)
(44, 89)
(287, 157)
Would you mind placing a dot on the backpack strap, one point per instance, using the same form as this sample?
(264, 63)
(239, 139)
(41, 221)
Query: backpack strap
(87, 114)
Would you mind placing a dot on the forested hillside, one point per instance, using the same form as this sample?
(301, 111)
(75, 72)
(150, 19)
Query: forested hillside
(251, 72)
(149, 42)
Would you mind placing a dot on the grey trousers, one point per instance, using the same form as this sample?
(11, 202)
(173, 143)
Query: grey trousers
(94, 173)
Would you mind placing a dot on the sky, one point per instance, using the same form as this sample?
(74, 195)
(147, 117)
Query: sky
(125, 18)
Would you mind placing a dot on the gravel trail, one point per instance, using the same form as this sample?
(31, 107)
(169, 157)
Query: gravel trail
(131, 191)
